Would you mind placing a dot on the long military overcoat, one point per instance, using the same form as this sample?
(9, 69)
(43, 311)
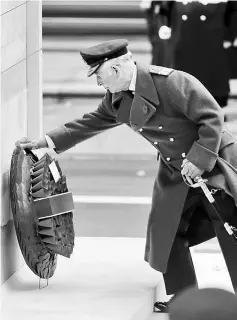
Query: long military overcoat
(199, 29)
(180, 118)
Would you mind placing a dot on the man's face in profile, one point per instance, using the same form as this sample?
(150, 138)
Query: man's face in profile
(110, 77)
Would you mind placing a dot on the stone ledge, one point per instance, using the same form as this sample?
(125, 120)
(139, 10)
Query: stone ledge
(72, 89)
(161, 316)
(10, 251)
(106, 278)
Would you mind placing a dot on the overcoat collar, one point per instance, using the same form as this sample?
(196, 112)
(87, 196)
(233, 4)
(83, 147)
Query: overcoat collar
(137, 110)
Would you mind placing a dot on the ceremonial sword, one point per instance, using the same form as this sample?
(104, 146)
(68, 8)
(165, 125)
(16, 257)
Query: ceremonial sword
(232, 231)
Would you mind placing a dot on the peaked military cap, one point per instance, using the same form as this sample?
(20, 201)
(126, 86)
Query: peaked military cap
(96, 55)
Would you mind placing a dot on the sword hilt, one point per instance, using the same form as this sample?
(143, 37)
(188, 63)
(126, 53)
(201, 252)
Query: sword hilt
(206, 190)
(228, 228)
(201, 183)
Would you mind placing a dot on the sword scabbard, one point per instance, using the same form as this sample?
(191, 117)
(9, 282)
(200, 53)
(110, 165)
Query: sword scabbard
(206, 191)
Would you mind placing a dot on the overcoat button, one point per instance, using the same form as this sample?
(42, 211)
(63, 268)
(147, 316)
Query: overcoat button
(144, 109)
(203, 18)
(141, 130)
(171, 139)
(184, 17)
(168, 159)
(160, 127)
(183, 155)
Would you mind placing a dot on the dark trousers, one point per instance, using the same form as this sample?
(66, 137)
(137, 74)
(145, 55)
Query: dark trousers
(180, 272)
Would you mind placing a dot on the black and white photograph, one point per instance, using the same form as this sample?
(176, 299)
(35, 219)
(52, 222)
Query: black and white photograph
(118, 160)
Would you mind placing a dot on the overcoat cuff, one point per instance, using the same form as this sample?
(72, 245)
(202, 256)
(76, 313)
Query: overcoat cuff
(61, 138)
(202, 157)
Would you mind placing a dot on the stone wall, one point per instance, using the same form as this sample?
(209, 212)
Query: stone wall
(21, 104)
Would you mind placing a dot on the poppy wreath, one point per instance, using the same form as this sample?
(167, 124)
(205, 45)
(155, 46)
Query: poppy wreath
(40, 240)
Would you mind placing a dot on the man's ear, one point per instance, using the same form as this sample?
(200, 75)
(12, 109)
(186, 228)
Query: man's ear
(115, 68)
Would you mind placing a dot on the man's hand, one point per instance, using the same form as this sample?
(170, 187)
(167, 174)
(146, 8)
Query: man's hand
(190, 170)
(25, 143)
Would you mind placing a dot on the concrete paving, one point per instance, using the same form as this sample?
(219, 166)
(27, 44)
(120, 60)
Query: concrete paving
(106, 278)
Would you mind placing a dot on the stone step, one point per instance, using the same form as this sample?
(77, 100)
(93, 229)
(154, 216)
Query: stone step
(86, 26)
(159, 316)
(76, 89)
(232, 126)
(106, 278)
(91, 9)
(138, 43)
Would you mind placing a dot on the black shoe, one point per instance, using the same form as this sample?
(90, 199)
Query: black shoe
(162, 307)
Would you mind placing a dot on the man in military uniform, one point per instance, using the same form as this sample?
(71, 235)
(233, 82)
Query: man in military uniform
(180, 118)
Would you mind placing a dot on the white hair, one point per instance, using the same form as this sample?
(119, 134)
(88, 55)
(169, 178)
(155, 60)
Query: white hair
(121, 59)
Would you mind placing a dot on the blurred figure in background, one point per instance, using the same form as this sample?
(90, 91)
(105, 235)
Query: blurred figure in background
(200, 33)
(159, 41)
(204, 304)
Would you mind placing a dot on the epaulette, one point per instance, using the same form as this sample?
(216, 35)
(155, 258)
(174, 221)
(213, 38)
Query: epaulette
(163, 71)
